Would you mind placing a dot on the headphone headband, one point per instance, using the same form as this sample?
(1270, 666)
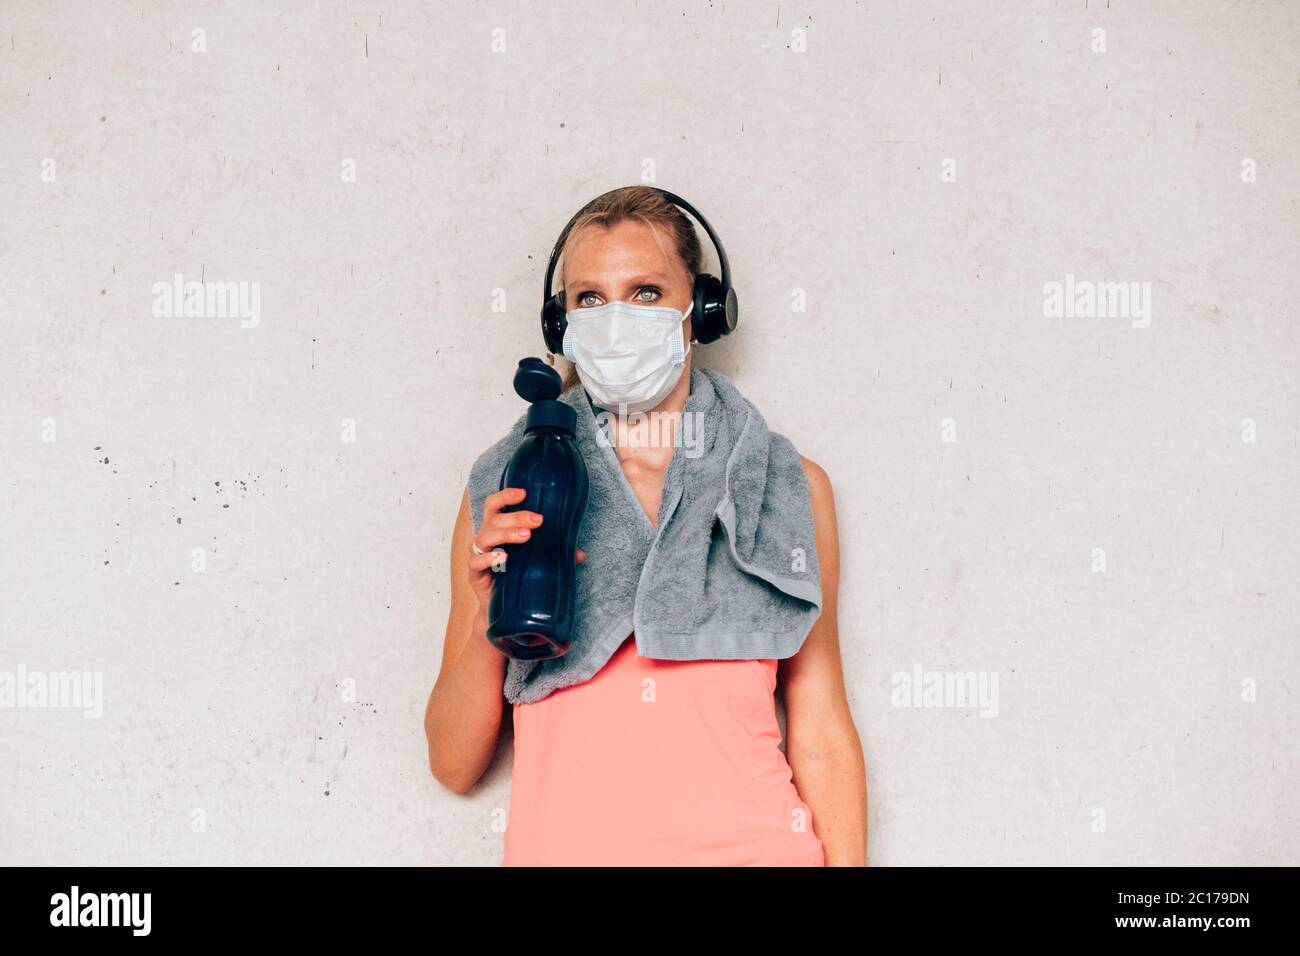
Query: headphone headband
(672, 198)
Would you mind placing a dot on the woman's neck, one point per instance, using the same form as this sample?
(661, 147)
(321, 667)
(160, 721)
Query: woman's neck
(647, 437)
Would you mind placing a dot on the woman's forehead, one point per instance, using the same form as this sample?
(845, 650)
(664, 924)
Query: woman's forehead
(589, 280)
(597, 254)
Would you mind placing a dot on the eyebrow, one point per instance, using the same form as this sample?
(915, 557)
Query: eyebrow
(635, 280)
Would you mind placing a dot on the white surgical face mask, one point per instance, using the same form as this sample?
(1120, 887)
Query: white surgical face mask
(629, 356)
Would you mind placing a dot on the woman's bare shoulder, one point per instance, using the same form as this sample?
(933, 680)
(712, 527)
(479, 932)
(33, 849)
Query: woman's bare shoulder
(825, 527)
(819, 483)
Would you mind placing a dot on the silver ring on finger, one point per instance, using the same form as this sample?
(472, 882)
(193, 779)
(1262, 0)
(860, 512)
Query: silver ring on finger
(475, 548)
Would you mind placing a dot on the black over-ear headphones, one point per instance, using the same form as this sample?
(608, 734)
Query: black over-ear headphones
(714, 314)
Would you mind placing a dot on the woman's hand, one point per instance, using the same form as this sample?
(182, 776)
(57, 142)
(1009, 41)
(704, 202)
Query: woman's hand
(498, 528)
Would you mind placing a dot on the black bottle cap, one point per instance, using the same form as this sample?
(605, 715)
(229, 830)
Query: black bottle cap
(537, 382)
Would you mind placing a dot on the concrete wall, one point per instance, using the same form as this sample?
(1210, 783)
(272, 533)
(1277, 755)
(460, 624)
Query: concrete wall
(239, 524)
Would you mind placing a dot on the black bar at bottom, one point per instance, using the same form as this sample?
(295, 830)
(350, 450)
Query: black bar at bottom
(923, 904)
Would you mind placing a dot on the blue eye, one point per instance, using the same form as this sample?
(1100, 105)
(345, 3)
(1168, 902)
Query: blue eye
(581, 301)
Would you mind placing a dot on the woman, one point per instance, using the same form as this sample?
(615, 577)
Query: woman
(700, 778)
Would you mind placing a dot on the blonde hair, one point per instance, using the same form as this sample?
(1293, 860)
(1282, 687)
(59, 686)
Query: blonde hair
(647, 205)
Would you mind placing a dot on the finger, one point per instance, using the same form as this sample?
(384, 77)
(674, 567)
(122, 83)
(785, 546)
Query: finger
(487, 561)
(491, 537)
(513, 519)
(499, 499)
(582, 555)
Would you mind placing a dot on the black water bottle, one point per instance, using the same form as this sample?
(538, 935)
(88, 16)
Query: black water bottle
(531, 613)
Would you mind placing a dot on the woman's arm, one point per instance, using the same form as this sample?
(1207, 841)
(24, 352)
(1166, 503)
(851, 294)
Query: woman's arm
(822, 745)
(463, 716)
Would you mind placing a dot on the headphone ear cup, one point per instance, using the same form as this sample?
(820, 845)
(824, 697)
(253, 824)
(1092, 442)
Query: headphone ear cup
(553, 324)
(715, 310)
(699, 317)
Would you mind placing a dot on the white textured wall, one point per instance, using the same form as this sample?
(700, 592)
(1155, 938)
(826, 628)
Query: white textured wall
(228, 733)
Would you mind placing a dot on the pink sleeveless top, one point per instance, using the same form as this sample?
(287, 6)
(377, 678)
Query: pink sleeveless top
(657, 763)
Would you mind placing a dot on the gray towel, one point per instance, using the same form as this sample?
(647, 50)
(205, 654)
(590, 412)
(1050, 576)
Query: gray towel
(731, 570)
